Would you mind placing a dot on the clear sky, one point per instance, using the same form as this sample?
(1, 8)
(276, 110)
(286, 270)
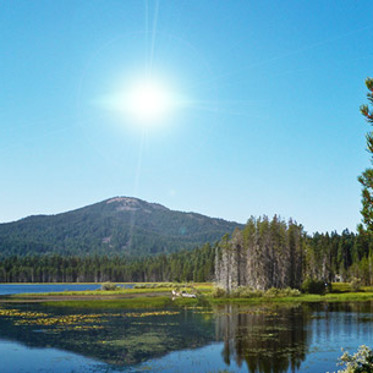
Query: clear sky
(262, 116)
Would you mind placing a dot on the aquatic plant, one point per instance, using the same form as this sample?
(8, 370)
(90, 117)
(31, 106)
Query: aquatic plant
(66, 320)
(155, 313)
(11, 312)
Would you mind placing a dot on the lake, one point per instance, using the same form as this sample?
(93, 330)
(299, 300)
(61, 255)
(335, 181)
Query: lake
(8, 289)
(262, 339)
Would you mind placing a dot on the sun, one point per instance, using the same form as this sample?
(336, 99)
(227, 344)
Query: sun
(148, 102)
(143, 102)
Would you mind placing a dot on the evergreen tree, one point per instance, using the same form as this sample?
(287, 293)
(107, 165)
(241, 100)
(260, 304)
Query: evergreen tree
(366, 178)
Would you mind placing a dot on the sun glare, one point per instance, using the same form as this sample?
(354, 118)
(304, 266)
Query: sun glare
(143, 102)
(148, 102)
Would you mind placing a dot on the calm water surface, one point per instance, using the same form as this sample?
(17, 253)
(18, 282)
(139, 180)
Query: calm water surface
(8, 289)
(260, 339)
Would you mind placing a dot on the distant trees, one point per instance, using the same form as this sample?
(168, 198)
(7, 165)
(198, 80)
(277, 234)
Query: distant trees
(263, 254)
(366, 178)
(189, 265)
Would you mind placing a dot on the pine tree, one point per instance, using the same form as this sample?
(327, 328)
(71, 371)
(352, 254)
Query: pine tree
(366, 178)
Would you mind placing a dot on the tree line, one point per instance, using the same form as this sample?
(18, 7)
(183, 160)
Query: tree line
(327, 256)
(189, 265)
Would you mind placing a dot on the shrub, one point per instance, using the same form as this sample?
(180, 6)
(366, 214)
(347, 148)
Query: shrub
(238, 292)
(288, 292)
(281, 293)
(165, 285)
(139, 286)
(355, 284)
(251, 293)
(360, 362)
(272, 293)
(248, 292)
(312, 286)
(108, 286)
(245, 292)
(218, 293)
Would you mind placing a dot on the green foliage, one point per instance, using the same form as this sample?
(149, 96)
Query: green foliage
(311, 286)
(267, 253)
(281, 293)
(218, 293)
(348, 254)
(120, 226)
(355, 284)
(366, 178)
(360, 362)
(245, 292)
(188, 265)
(272, 293)
(109, 286)
(248, 292)
(139, 302)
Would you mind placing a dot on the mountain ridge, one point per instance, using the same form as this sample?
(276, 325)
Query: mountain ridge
(117, 225)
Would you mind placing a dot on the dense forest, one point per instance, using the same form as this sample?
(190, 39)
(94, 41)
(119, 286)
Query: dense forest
(327, 256)
(262, 255)
(275, 253)
(188, 265)
(121, 226)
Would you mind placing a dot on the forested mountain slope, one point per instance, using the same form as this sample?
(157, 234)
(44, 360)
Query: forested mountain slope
(119, 225)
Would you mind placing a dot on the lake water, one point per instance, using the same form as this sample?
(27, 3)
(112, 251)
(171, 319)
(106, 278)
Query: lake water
(8, 289)
(262, 339)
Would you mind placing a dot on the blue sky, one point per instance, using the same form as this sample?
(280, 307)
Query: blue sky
(269, 121)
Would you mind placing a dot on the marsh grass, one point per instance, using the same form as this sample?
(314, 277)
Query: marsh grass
(160, 296)
(140, 302)
(331, 297)
(98, 292)
(129, 303)
(341, 292)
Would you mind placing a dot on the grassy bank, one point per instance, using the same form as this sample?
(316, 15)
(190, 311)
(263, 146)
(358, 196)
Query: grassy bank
(149, 295)
(331, 297)
(340, 292)
(166, 301)
(140, 302)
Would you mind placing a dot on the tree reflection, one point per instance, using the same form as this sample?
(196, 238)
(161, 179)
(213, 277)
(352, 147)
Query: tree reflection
(116, 338)
(269, 340)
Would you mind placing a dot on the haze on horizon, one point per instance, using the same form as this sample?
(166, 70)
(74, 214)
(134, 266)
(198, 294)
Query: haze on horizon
(257, 107)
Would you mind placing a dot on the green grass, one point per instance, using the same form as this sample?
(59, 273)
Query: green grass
(153, 298)
(341, 292)
(165, 301)
(344, 297)
(140, 302)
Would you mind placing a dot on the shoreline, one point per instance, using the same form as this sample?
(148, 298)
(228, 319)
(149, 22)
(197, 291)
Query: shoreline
(150, 294)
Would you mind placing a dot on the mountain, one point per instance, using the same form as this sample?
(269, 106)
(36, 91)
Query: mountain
(120, 225)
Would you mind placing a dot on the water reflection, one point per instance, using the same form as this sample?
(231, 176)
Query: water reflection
(116, 337)
(256, 339)
(343, 319)
(268, 340)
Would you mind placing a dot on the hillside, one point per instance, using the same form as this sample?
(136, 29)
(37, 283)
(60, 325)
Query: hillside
(119, 225)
